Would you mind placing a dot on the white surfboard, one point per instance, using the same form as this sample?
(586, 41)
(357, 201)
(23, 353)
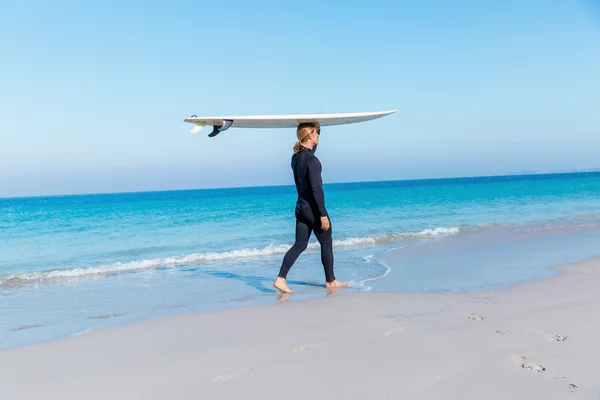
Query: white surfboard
(222, 123)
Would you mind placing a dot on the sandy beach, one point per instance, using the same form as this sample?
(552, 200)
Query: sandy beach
(535, 340)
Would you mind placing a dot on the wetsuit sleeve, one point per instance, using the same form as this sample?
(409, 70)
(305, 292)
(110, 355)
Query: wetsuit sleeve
(316, 184)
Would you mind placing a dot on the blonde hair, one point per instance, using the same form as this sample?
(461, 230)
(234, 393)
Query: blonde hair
(302, 132)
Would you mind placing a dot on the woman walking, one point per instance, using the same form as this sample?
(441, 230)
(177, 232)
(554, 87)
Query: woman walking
(311, 214)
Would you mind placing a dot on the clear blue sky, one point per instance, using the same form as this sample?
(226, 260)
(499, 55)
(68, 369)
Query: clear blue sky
(93, 95)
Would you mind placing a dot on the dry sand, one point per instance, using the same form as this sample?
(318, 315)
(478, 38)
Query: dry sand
(537, 340)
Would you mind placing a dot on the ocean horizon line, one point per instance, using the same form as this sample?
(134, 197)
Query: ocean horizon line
(522, 174)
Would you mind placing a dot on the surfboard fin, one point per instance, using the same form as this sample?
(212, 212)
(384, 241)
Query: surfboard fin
(220, 128)
(197, 128)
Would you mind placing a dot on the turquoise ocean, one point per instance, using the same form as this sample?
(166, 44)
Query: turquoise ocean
(71, 264)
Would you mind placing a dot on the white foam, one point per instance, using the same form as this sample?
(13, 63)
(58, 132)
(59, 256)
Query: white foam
(387, 271)
(88, 330)
(270, 250)
(361, 284)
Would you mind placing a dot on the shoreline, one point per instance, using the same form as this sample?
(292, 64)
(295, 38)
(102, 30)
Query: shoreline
(535, 338)
(260, 301)
(299, 296)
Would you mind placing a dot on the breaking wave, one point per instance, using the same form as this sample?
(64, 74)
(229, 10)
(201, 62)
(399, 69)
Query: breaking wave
(18, 279)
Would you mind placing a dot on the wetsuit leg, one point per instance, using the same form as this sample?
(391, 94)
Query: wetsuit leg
(326, 241)
(303, 231)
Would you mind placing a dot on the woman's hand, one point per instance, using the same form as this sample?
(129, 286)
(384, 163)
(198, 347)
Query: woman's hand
(325, 223)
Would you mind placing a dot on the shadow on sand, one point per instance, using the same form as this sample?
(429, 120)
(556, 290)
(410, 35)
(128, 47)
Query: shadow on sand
(256, 282)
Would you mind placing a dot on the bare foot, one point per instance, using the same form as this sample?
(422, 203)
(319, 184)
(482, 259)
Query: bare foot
(282, 286)
(336, 284)
(332, 289)
(283, 297)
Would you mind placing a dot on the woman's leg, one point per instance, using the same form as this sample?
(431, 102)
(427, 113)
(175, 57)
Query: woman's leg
(326, 242)
(303, 232)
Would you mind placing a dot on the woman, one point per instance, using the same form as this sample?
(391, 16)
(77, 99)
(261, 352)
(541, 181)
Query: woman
(311, 214)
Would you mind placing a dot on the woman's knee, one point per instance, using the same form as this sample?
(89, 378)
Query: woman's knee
(325, 238)
(301, 245)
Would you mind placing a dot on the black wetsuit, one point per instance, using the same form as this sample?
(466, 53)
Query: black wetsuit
(310, 207)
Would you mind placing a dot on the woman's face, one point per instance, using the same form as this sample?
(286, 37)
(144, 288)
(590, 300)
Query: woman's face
(314, 136)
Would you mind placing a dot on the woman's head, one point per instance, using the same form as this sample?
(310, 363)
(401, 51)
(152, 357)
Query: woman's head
(308, 135)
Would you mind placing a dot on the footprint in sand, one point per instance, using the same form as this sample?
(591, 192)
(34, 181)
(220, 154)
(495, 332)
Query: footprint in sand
(533, 367)
(301, 349)
(558, 338)
(475, 317)
(522, 362)
(397, 332)
(228, 377)
(501, 331)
